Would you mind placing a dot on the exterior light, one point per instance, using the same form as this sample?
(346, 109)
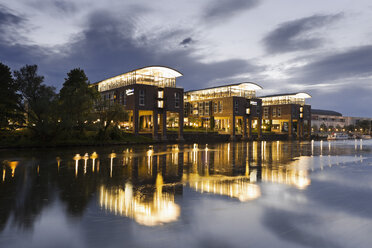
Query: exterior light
(160, 94)
(248, 111)
(160, 104)
(301, 109)
(129, 92)
(301, 115)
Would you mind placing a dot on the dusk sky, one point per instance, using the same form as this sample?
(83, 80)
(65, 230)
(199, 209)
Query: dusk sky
(323, 47)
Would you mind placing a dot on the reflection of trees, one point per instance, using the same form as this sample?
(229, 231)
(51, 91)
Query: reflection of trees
(25, 194)
(230, 169)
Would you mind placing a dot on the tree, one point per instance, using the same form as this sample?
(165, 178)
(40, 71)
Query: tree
(38, 101)
(108, 114)
(315, 128)
(10, 114)
(323, 127)
(76, 100)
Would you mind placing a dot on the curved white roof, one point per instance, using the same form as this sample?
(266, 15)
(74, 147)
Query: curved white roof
(302, 95)
(163, 70)
(248, 86)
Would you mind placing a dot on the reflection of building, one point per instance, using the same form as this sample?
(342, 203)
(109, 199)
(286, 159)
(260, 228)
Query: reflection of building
(234, 187)
(151, 96)
(287, 113)
(150, 212)
(228, 108)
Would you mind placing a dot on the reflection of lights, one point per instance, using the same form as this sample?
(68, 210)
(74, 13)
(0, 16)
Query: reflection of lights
(58, 162)
(234, 187)
(4, 171)
(195, 147)
(111, 156)
(150, 152)
(160, 210)
(13, 166)
(86, 157)
(77, 157)
(94, 156)
(295, 174)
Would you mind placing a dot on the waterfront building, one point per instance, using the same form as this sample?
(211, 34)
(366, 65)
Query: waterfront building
(322, 119)
(232, 109)
(151, 97)
(327, 121)
(287, 113)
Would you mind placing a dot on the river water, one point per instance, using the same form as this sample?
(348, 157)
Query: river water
(243, 194)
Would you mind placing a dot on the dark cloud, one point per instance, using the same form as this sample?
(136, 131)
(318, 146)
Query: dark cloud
(109, 46)
(187, 41)
(351, 99)
(224, 9)
(294, 35)
(11, 51)
(352, 63)
(7, 18)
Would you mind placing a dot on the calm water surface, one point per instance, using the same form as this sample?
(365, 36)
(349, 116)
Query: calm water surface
(255, 194)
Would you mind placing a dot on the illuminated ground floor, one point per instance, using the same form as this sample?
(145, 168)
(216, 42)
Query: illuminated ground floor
(155, 122)
(243, 125)
(300, 128)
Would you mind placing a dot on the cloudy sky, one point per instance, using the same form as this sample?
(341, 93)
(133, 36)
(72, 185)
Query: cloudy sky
(323, 47)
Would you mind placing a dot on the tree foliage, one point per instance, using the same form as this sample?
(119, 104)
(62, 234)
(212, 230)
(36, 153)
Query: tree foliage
(76, 100)
(10, 114)
(38, 101)
(108, 113)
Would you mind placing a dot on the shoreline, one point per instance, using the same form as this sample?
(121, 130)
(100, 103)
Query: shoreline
(189, 138)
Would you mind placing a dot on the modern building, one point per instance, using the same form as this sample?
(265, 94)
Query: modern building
(151, 97)
(287, 113)
(322, 119)
(232, 109)
(327, 121)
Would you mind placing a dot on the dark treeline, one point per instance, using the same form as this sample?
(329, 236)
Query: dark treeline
(32, 112)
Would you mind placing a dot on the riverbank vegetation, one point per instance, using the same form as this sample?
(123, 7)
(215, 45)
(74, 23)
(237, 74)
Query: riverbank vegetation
(35, 114)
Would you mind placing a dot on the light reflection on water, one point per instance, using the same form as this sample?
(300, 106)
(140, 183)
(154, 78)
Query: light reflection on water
(164, 185)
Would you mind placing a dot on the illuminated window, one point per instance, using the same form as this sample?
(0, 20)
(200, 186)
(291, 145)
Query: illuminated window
(201, 112)
(195, 109)
(142, 97)
(206, 111)
(160, 104)
(176, 99)
(160, 94)
(215, 107)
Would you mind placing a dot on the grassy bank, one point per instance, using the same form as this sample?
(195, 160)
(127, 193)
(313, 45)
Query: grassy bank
(25, 139)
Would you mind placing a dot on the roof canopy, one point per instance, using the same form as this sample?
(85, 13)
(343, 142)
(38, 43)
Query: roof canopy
(165, 72)
(160, 76)
(238, 86)
(246, 89)
(303, 95)
(289, 98)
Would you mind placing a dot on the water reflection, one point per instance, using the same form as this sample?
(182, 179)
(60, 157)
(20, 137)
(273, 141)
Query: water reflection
(146, 184)
(132, 203)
